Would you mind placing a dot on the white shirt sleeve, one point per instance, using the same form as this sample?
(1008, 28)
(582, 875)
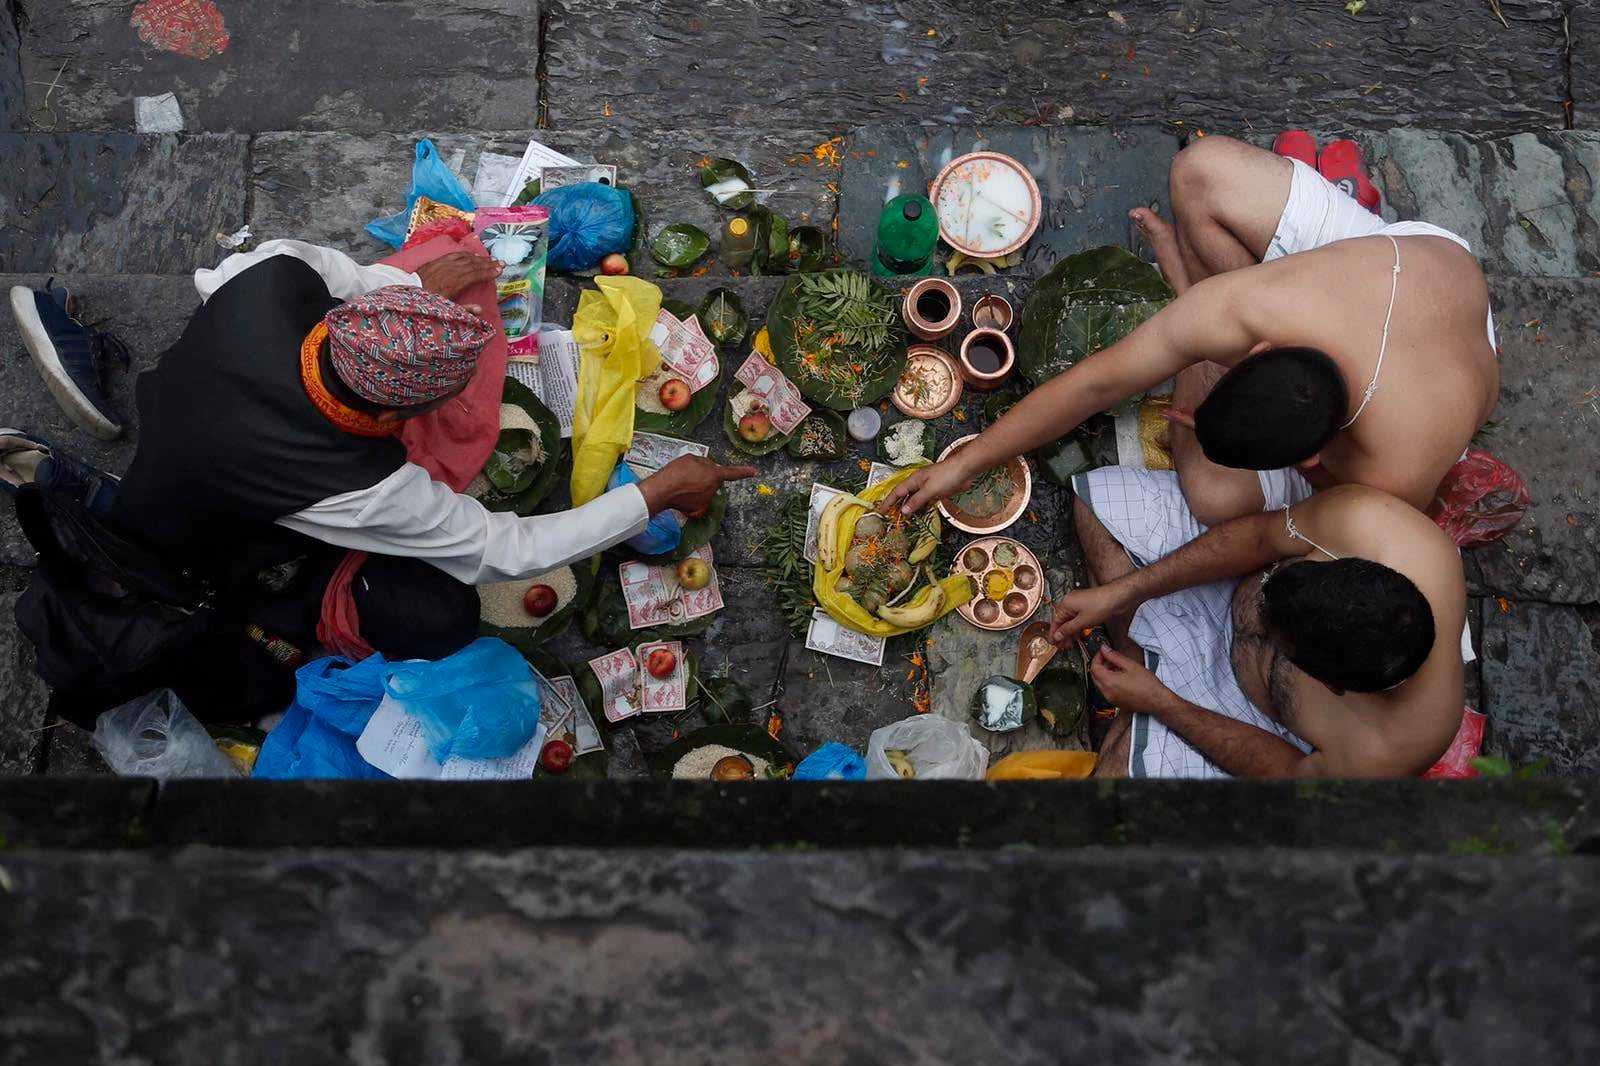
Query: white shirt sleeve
(409, 513)
(346, 279)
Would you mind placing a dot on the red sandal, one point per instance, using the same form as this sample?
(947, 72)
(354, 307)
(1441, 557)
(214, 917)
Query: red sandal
(1343, 163)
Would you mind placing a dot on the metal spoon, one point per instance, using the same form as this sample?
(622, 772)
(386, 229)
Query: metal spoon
(1034, 651)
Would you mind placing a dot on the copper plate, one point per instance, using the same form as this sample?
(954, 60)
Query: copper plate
(1015, 505)
(1036, 206)
(1025, 557)
(928, 360)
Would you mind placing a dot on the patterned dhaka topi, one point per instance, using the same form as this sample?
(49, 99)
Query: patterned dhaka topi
(400, 345)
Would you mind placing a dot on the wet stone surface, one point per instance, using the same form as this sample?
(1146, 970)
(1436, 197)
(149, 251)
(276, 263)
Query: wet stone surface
(117, 203)
(23, 697)
(1539, 678)
(288, 65)
(1201, 62)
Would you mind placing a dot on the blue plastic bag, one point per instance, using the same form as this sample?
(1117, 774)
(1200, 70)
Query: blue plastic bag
(316, 738)
(663, 534)
(588, 222)
(832, 762)
(431, 178)
(480, 703)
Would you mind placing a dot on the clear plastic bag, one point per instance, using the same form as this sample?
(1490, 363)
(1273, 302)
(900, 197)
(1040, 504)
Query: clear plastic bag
(156, 736)
(480, 703)
(936, 748)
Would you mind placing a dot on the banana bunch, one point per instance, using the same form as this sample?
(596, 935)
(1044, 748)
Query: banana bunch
(828, 528)
(924, 607)
(929, 541)
(900, 760)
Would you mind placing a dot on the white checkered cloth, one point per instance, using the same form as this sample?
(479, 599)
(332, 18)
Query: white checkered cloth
(1187, 637)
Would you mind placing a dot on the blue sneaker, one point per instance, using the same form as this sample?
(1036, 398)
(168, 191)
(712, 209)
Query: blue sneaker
(26, 459)
(70, 356)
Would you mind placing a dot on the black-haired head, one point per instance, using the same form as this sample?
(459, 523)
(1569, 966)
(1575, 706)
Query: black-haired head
(1273, 410)
(1353, 624)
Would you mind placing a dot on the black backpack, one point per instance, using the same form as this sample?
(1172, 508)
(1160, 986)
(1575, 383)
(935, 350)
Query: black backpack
(103, 613)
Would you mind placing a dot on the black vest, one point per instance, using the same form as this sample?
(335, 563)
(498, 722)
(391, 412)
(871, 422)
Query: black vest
(229, 442)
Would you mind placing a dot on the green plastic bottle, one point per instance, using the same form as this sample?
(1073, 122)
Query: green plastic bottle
(738, 247)
(908, 232)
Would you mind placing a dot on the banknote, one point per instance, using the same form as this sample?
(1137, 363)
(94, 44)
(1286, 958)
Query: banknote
(650, 452)
(820, 495)
(785, 406)
(880, 472)
(654, 596)
(685, 349)
(585, 732)
(669, 693)
(618, 674)
(831, 638)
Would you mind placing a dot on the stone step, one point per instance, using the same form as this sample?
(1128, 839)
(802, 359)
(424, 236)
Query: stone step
(288, 64)
(1201, 64)
(1525, 202)
(118, 203)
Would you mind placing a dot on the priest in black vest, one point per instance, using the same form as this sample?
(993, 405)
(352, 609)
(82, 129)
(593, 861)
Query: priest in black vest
(267, 445)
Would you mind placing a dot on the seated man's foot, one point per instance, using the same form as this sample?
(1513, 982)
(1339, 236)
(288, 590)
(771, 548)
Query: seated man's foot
(1297, 144)
(70, 356)
(1343, 163)
(1163, 240)
(26, 459)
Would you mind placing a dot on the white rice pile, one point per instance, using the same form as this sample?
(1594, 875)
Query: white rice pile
(647, 396)
(697, 764)
(501, 602)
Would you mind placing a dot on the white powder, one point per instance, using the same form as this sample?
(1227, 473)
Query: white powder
(903, 445)
(500, 604)
(697, 764)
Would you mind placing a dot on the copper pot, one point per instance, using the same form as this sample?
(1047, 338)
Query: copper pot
(921, 307)
(995, 340)
(992, 311)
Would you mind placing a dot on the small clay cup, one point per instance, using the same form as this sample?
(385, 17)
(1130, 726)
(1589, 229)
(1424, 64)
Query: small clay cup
(922, 305)
(987, 381)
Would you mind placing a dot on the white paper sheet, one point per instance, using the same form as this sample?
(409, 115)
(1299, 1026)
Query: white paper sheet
(553, 377)
(392, 742)
(534, 159)
(493, 180)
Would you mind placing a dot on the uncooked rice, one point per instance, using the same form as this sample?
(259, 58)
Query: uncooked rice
(647, 396)
(696, 765)
(500, 604)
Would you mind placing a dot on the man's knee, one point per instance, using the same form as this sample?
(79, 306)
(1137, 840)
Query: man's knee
(409, 609)
(1215, 500)
(1200, 172)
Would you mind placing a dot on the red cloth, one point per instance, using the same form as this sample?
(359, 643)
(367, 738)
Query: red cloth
(451, 443)
(1456, 762)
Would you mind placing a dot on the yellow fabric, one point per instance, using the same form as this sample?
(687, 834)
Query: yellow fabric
(612, 328)
(1045, 765)
(844, 609)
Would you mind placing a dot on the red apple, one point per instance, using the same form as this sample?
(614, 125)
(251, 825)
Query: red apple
(675, 394)
(614, 264)
(661, 662)
(556, 756)
(539, 600)
(755, 427)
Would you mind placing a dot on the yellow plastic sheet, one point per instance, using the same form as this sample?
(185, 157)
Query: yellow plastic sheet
(612, 329)
(1045, 765)
(842, 608)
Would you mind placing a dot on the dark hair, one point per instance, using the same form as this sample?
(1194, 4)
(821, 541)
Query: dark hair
(1273, 410)
(1352, 624)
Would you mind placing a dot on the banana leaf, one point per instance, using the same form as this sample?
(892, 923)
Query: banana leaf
(722, 173)
(808, 247)
(834, 422)
(543, 475)
(774, 441)
(685, 422)
(1062, 697)
(722, 315)
(750, 739)
(880, 366)
(680, 245)
(772, 243)
(697, 532)
(604, 621)
(1083, 304)
(527, 639)
(721, 699)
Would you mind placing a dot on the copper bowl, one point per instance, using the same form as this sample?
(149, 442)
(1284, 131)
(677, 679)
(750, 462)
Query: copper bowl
(924, 325)
(987, 381)
(939, 373)
(992, 311)
(998, 618)
(1015, 504)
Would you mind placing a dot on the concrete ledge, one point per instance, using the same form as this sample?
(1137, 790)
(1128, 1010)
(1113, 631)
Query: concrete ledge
(1555, 817)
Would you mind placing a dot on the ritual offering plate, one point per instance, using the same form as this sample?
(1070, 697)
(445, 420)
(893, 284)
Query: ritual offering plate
(749, 426)
(526, 461)
(839, 337)
(996, 498)
(821, 436)
(529, 611)
(1008, 579)
(907, 443)
(726, 752)
(650, 410)
(988, 204)
(930, 385)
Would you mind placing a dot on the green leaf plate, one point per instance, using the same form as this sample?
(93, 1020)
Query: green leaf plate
(680, 245)
(930, 447)
(835, 423)
(685, 422)
(775, 441)
(883, 368)
(549, 471)
(1083, 304)
(697, 532)
(604, 621)
(717, 170)
(750, 739)
(528, 639)
(722, 315)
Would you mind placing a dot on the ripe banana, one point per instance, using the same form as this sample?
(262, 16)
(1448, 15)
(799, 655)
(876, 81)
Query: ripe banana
(828, 528)
(922, 609)
(900, 761)
(928, 541)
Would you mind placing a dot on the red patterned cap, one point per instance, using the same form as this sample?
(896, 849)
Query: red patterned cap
(401, 345)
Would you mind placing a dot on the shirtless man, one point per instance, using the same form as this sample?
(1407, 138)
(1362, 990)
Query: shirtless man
(1320, 641)
(1353, 361)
